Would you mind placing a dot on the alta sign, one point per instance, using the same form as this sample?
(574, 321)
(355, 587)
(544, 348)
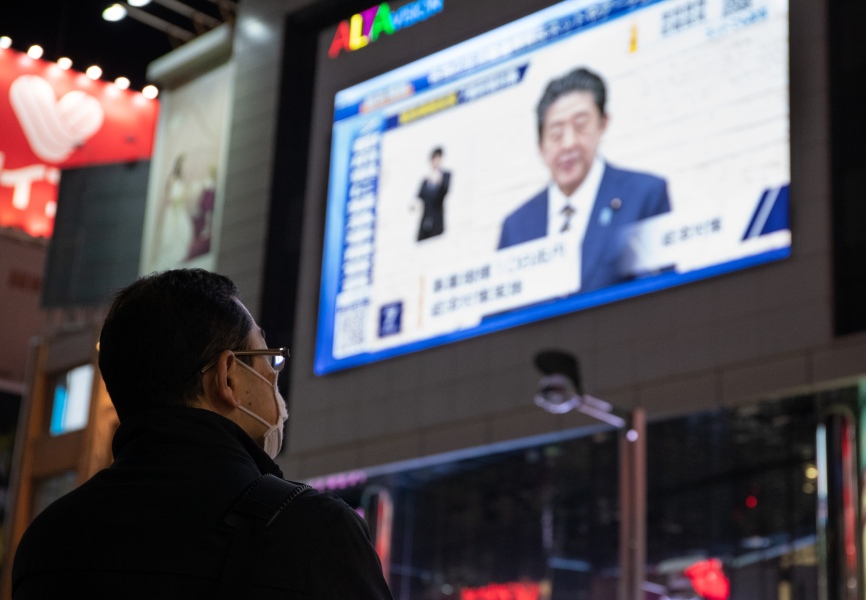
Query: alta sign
(366, 27)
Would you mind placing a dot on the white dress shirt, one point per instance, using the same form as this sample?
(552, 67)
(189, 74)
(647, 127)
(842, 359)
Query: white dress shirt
(582, 202)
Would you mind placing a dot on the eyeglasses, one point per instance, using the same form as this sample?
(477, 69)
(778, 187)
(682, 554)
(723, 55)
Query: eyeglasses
(276, 357)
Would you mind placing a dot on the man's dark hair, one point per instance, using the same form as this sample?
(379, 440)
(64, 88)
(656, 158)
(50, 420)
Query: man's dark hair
(161, 331)
(579, 80)
(437, 151)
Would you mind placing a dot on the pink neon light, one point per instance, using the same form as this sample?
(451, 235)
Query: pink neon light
(503, 591)
(709, 580)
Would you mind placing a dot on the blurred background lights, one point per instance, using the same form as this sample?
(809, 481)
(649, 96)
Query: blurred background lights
(64, 62)
(35, 51)
(150, 91)
(122, 83)
(115, 12)
(811, 472)
(94, 72)
(255, 29)
(5, 42)
(138, 3)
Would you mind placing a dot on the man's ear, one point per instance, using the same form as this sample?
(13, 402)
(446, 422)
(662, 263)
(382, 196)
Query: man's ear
(219, 383)
(605, 119)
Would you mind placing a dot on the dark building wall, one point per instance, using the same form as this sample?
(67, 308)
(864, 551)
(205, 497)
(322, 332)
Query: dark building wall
(848, 132)
(22, 260)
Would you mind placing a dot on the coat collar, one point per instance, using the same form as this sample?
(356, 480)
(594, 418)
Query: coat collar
(187, 432)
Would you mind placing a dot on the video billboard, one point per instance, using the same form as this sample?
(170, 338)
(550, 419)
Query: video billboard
(589, 152)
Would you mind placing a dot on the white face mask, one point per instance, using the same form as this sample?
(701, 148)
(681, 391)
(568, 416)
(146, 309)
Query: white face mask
(274, 434)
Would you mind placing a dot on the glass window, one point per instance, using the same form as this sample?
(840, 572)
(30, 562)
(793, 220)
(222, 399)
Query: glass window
(732, 490)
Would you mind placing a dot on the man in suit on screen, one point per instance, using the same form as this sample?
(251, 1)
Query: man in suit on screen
(587, 197)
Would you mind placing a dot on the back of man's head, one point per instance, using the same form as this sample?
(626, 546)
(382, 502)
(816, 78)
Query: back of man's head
(159, 333)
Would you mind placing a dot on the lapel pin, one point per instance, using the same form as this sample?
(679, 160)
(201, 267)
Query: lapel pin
(605, 216)
(616, 203)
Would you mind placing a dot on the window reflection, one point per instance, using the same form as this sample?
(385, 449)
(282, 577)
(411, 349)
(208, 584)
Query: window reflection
(731, 495)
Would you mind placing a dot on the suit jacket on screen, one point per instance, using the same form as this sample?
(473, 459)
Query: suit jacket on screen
(433, 196)
(624, 197)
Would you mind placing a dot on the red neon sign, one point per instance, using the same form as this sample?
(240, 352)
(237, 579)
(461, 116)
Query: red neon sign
(51, 119)
(503, 591)
(709, 580)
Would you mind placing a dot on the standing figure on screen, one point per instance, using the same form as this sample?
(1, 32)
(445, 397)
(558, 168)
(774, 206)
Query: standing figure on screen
(587, 197)
(433, 190)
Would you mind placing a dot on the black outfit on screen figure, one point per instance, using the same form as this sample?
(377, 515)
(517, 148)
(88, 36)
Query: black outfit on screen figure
(152, 525)
(433, 195)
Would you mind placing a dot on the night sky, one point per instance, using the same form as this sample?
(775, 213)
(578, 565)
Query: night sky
(75, 28)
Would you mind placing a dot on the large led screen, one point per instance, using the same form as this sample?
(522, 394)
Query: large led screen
(587, 153)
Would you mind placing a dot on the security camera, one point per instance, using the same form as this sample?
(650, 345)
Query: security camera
(556, 394)
(559, 388)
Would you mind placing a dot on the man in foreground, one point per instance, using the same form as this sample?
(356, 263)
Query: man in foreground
(588, 198)
(195, 388)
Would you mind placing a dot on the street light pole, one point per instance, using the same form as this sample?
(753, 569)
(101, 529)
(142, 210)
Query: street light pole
(559, 392)
(632, 507)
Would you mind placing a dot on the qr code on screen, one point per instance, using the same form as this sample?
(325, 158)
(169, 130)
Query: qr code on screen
(349, 323)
